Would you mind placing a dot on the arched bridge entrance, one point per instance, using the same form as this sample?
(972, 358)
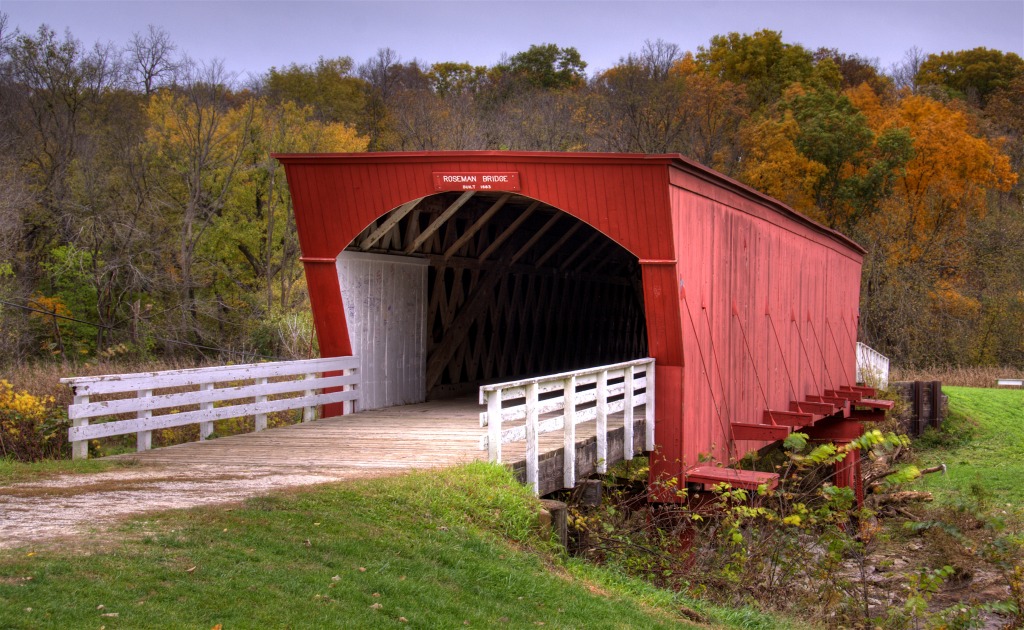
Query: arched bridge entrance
(458, 289)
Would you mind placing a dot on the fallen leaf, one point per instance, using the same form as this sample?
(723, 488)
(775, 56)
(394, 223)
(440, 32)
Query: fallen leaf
(376, 606)
(100, 607)
(376, 594)
(30, 554)
(225, 529)
(307, 543)
(110, 615)
(401, 578)
(190, 570)
(336, 578)
(403, 620)
(316, 524)
(28, 609)
(362, 569)
(217, 627)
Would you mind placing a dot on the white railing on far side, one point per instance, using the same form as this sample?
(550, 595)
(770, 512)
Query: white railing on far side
(872, 366)
(630, 384)
(240, 384)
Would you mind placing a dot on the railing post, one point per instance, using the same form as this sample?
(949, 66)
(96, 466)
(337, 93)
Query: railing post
(532, 441)
(649, 407)
(494, 425)
(80, 449)
(144, 439)
(309, 413)
(627, 414)
(348, 406)
(205, 428)
(261, 418)
(602, 421)
(569, 433)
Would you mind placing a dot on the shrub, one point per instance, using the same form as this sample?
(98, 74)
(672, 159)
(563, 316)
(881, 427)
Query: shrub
(31, 428)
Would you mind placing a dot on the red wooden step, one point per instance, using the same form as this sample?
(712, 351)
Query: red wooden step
(747, 479)
(838, 402)
(759, 432)
(874, 404)
(788, 418)
(863, 391)
(848, 395)
(817, 408)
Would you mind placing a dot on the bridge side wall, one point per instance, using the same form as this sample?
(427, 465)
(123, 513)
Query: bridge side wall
(768, 308)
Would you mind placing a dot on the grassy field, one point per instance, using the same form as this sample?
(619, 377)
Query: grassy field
(445, 550)
(982, 444)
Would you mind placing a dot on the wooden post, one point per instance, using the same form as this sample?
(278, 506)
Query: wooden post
(602, 421)
(649, 407)
(205, 428)
(627, 414)
(532, 441)
(309, 413)
(261, 418)
(144, 439)
(494, 425)
(80, 449)
(569, 433)
(348, 406)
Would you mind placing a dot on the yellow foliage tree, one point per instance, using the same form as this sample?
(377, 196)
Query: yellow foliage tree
(775, 166)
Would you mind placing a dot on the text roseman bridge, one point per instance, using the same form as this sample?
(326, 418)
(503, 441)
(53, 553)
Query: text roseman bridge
(446, 271)
(598, 305)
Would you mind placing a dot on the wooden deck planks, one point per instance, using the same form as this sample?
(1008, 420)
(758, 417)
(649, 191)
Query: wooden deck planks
(420, 436)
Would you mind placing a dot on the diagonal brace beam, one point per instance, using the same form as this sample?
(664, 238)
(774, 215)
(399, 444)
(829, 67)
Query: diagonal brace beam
(438, 222)
(397, 215)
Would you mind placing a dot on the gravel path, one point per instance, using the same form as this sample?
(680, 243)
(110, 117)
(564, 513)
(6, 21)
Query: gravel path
(69, 505)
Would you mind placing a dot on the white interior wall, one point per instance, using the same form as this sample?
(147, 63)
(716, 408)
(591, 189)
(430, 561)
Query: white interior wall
(385, 300)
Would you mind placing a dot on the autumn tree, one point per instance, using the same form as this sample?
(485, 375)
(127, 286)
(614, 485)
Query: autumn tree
(199, 138)
(917, 276)
(329, 86)
(972, 74)
(763, 63)
(545, 67)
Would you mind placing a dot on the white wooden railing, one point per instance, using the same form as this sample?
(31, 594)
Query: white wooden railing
(586, 395)
(872, 366)
(240, 385)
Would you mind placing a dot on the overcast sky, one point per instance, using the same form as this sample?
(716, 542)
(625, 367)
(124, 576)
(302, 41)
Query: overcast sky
(252, 36)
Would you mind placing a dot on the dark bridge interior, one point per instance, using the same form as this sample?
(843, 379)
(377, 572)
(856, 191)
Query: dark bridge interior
(516, 288)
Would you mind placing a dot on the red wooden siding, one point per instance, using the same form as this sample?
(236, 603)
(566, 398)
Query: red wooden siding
(746, 273)
(721, 264)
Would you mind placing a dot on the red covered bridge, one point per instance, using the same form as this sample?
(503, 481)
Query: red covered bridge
(445, 271)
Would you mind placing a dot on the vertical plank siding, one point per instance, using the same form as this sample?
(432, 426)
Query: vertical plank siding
(385, 307)
(745, 303)
(745, 270)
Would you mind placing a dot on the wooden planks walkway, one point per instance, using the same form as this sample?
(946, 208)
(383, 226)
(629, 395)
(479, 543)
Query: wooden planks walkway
(422, 436)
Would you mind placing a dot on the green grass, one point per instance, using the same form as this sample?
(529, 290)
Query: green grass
(982, 444)
(439, 550)
(15, 472)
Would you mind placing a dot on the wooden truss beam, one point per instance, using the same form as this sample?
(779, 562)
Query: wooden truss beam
(536, 237)
(476, 303)
(396, 215)
(459, 262)
(473, 229)
(509, 230)
(439, 221)
(579, 250)
(554, 248)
